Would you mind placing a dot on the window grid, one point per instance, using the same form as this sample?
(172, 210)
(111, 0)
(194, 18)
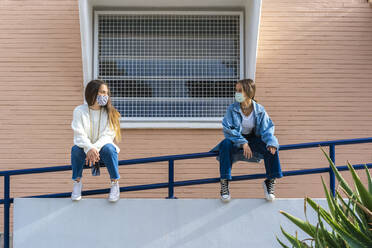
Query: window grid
(169, 66)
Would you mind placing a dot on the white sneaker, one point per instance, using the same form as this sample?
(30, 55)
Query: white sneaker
(114, 195)
(268, 186)
(225, 193)
(76, 191)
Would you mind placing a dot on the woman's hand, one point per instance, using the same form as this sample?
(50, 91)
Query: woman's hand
(271, 149)
(92, 157)
(247, 151)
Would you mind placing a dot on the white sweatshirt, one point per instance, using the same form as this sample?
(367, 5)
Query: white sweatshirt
(84, 137)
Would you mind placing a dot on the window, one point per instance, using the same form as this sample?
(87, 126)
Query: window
(169, 66)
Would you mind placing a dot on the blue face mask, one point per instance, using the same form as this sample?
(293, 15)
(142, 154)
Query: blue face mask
(239, 97)
(102, 100)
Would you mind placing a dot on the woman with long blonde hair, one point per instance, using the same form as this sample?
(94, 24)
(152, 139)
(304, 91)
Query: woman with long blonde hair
(96, 125)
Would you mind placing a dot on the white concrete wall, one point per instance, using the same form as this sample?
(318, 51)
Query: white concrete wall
(152, 223)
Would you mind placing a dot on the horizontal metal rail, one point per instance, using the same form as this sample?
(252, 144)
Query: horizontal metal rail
(186, 156)
(195, 182)
(7, 200)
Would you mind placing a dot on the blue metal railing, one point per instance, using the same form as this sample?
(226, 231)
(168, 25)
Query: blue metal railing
(171, 183)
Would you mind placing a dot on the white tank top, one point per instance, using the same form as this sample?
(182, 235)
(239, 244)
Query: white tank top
(248, 122)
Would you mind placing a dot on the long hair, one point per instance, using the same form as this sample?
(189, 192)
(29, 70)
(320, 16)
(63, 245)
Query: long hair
(91, 92)
(249, 87)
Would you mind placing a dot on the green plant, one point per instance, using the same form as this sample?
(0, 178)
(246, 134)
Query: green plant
(350, 221)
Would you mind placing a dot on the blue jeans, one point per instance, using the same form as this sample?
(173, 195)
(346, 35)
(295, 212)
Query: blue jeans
(227, 148)
(108, 156)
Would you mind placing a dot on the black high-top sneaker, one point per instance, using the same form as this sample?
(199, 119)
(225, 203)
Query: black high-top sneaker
(225, 194)
(268, 186)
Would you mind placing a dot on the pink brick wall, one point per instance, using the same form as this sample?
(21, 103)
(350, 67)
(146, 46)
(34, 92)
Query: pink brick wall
(314, 76)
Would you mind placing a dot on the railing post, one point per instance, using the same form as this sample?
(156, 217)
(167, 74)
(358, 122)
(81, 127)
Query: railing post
(332, 178)
(171, 179)
(6, 210)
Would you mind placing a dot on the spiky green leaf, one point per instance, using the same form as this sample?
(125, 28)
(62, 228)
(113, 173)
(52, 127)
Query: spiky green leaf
(362, 217)
(365, 196)
(362, 225)
(281, 243)
(293, 240)
(329, 198)
(304, 225)
(369, 180)
(350, 228)
(338, 175)
(323, 213)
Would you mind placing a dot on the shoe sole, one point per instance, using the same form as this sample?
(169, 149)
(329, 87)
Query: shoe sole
(270, 200)
(79, 198)
(76, 199)
(226, 200)
(110, 200)
(266, 194)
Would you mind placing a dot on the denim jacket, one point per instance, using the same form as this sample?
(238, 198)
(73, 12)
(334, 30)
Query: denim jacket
(232, 129)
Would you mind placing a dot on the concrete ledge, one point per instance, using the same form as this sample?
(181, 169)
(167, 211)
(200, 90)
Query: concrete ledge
(153, 223)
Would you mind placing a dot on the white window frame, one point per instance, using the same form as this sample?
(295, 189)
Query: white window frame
(177, 122)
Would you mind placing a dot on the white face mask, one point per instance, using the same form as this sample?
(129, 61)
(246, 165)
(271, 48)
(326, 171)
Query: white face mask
(102, 100)
(239, 97)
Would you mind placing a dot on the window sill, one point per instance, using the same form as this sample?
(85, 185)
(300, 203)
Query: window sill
(161, 124)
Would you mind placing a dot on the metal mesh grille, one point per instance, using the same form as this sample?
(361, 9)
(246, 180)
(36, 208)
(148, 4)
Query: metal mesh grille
(172, 66)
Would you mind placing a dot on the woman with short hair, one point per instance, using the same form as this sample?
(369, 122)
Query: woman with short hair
(249, 136)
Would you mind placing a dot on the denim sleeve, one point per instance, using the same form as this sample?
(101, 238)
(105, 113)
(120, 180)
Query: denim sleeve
(230, 131)
(267, 129)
